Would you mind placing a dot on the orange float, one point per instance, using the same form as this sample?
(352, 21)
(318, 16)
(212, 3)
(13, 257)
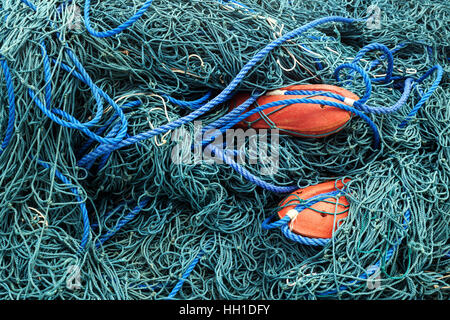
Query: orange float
(319, 219)
(310, 120)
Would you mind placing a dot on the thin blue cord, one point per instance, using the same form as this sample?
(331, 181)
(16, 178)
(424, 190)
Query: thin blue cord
(437, 68)
(84, 212)
(187, 273)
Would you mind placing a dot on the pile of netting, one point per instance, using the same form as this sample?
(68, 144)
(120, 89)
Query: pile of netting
(98, 97)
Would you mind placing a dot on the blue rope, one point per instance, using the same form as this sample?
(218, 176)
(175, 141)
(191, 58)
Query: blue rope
(301, 100)
(223, 121)
(249, 176)
(389, 253)
(94, 226)
(195, 104)
(384, 110)
(47, 75)
(317, 60)
(120, 28)
(267, 224)
(239, 5)
(363, 107)
(69, 120)
(89, 142)
(316, 242)
(12, 104)
(362, 72)
(437, 68)
(31, 5)
(97, 93)
(387, 54)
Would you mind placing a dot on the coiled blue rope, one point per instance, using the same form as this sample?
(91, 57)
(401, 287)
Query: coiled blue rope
(70, 121)
(362, 72)
(358, 105)
(387, 54)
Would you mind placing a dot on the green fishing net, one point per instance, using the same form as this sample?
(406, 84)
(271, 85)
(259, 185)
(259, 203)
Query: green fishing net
(185, 50)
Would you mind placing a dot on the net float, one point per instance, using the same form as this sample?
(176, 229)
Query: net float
(311, 120)
(317, 210)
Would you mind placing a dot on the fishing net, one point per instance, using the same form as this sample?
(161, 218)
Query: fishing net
(87, 195)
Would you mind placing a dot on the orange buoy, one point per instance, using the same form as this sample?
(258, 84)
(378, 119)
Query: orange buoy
(299, 119)
(318, 220)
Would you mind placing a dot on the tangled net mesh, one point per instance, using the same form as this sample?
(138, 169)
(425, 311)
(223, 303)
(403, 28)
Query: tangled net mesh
(168, 213)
